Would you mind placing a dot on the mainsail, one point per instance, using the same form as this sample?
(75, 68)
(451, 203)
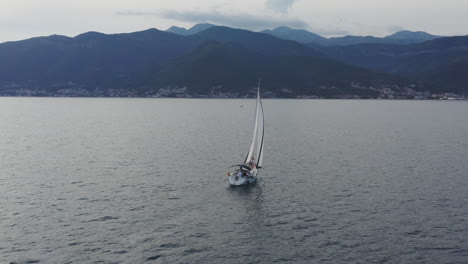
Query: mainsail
(258, 133)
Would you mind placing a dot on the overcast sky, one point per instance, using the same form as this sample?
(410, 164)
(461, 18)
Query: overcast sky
(20, 19)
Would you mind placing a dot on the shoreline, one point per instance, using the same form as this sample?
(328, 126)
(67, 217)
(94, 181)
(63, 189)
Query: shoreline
(237, 98)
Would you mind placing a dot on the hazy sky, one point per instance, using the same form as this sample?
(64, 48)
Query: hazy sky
(20, 19)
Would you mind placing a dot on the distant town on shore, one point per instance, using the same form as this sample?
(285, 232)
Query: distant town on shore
(72, 90)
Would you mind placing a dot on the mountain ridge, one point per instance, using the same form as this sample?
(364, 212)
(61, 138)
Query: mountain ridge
(299, 35)
(307, 37)
(414, 35)
(191, 31)
(225, 66)
(442, 61)
(142, 63)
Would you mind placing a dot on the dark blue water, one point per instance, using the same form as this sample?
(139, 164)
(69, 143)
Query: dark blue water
(143, 181)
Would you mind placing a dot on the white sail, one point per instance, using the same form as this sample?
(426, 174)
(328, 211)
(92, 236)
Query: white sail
(254, 137)
(257, 138)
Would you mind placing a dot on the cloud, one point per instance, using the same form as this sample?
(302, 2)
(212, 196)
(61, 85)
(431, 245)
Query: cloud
(279, 6)
(246, 21)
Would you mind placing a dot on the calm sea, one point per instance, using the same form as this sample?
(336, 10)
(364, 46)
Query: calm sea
(144, 181)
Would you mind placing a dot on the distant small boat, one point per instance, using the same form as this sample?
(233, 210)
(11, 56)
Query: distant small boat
(246, 173)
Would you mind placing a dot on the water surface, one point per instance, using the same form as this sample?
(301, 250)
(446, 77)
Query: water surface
(143, 181)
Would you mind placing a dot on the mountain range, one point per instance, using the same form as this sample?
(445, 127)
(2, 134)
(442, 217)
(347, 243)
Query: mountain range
(212, 60)
(443, 62)
(307, 37)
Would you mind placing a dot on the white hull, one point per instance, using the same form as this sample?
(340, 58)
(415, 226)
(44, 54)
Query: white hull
(240, 181)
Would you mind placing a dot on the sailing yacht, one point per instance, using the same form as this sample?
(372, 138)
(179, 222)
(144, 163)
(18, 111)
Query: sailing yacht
(246, 173)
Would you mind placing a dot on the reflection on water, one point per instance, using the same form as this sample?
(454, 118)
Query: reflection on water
(249, 196)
